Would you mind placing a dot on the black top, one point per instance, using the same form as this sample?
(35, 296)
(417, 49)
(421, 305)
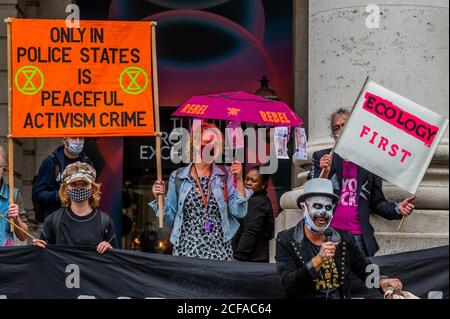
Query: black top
(327, 281)
(68, 160)
(251, 242)
(371, 198)
(78, 230)
(299, 277)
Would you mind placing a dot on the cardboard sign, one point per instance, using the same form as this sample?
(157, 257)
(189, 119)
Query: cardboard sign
(301, 144)
(281, 141)
(391, 136)
(95, 80)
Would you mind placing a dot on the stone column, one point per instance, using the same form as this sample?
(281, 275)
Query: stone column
(408, 54)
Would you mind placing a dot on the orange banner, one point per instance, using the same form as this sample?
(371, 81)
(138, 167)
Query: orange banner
(95, 80)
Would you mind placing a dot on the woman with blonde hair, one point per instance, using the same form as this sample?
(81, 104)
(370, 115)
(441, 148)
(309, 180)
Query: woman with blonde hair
(7, 210)
(204, 200)
(79, 222)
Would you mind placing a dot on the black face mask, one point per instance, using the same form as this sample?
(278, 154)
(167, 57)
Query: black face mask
(79, 195)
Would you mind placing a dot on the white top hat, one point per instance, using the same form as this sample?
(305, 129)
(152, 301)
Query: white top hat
(317, 187)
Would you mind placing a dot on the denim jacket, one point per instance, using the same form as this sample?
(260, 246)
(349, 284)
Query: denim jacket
(232, 209)
(5, 229)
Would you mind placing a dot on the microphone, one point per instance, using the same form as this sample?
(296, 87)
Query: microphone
(329, 238)
(328, 235)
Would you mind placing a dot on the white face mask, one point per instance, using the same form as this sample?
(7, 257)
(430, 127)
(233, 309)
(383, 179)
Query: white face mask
(315, 207)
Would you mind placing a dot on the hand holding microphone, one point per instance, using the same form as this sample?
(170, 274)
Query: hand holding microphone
(328, 247)
(327, 251)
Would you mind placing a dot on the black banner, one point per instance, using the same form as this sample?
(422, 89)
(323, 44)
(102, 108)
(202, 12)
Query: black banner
(80, 272)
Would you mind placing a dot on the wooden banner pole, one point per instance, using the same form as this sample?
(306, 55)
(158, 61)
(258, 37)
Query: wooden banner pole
(157, 124)
(10, 221)
(10, 138)
(401, 223)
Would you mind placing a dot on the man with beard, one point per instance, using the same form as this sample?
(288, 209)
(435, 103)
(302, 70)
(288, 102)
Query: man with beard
(314, 260)
(359, 190)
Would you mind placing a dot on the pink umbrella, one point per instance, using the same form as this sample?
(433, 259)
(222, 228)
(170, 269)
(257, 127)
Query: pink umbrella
(239, 106)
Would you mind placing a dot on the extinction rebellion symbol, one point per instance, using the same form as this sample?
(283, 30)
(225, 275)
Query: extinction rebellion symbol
(133, 80)
(29, 80)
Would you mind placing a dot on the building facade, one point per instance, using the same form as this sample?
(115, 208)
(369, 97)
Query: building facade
(403, 46)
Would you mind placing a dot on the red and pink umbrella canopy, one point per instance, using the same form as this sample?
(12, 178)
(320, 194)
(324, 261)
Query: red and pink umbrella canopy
(239, 106)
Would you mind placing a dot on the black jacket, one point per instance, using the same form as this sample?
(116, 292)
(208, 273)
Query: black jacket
(251, 242)
(297, 277)
(371, 196)
(45, 191)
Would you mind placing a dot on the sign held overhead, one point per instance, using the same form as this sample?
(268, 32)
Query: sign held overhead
(391, 136)
(95, 80)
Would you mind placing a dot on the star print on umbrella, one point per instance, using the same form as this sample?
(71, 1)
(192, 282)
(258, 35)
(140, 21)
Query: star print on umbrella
(232, 111)
(228, 106)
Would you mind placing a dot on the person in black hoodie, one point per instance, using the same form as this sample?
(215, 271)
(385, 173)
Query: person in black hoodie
(257, 227)
(47, 182)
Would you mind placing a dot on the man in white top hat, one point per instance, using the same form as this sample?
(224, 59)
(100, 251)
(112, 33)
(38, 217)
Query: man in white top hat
(314, 260)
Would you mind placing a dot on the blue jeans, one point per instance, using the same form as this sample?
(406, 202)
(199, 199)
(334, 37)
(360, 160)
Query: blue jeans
(360, 243)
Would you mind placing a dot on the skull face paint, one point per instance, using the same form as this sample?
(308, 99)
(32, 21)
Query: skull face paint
(318, 213)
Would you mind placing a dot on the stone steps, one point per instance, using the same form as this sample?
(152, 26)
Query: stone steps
(396, 242)
(421, 221)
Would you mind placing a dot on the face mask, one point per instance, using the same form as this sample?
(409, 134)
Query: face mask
(75, 147)
(79, 195)
(316, 206)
